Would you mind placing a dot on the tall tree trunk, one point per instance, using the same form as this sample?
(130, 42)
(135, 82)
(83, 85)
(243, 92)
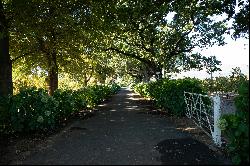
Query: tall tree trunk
(158, 73)
(52, 74)
(85, 82)
(6, 84)
(86, 79)
(146, 76)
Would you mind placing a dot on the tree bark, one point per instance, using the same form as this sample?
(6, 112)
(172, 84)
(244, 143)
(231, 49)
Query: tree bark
(52, 74)
(86, 79)
(6, 84)
(158, 73)
(85, 82)
(146, 77)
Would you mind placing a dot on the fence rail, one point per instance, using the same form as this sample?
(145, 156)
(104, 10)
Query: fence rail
(205, 111)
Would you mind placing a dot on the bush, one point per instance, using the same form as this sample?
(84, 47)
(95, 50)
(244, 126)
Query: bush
(236, 127)
(142, 89)
(69, 103)
(95, 94)
(169, 94)
(34, 110)
(114, 88)
(31, 110)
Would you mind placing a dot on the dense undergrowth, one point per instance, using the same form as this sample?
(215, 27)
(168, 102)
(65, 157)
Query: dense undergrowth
(33, 110)
(168, 94)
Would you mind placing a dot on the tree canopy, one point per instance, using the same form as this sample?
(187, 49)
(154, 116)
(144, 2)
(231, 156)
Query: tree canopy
(103, 40)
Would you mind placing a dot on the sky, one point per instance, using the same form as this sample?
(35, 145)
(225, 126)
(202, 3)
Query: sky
(234, 54)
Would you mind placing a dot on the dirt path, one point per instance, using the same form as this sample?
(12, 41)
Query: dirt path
(121, 133)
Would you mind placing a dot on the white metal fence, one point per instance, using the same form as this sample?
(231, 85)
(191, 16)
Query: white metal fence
(205, 111)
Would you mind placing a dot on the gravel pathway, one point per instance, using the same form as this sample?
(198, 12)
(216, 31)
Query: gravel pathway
(120, 133)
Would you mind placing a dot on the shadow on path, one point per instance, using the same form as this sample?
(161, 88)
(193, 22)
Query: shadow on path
(186, 151)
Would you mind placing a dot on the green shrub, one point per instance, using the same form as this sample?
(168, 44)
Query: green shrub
(142, 89)
(79, 100)
(236, 127)
(169, 94)
(31, 110)
(114, 88)
(69, 103)
(95, 94)
(34, 110)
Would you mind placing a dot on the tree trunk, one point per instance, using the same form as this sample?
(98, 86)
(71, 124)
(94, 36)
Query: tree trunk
(157, 71)
(212, 82)
(146, 77)
(85, 82)
(6, 84)
(159, 74)
(86, 79)
(53, 74)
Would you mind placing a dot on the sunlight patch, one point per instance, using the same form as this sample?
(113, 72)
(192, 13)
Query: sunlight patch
(102, 105)
(186, 129)
(131, 98)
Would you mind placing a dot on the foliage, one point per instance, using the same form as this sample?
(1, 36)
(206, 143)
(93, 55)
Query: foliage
(94, 94)
(69, 102)
(48, 35)
(211, 64)
(23, 79)
(236, 127)
(140, 30)
(149, 35)
(34, 110)
(225, 84)
(161, 35)
(169, 94)
(31, 110)
(6, 85)
(241, 20)
(114, 88)
(142, 89)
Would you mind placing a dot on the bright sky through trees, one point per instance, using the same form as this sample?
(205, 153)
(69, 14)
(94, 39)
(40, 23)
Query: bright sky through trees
(234, 54)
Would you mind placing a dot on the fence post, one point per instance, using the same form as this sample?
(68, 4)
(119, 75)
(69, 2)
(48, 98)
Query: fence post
(217, 113)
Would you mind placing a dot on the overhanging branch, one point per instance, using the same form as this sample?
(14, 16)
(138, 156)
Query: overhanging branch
(130, 55)
(21, 56)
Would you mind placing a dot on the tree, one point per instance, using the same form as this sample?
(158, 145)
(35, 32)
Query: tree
(211, 64)
(241, 20)
(6, 85)
(143, 31)
(48, 34)
(237, 78)
(53, 35)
